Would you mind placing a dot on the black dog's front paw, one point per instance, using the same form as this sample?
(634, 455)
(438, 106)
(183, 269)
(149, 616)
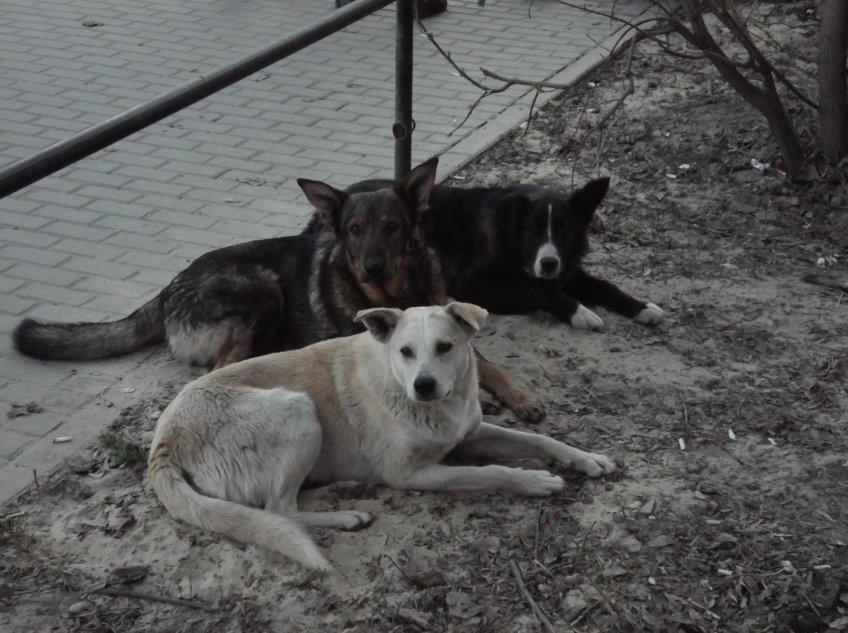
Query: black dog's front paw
(651, 314)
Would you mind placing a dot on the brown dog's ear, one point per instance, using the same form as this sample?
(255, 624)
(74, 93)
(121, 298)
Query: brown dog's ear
(419, 183)
(584, 201)
(327, 201)
(381, 322)
(469, 316)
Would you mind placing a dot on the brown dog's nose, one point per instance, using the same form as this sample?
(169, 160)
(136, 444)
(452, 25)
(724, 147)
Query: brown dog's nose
(375, 266)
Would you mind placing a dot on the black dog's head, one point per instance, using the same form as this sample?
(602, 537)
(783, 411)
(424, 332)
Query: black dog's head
(549, 232)
(377, 222)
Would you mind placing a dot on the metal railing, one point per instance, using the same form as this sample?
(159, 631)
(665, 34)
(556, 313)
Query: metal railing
(64, 153)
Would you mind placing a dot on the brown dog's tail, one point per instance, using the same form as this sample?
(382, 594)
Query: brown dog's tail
(245, 524)
(90, 341)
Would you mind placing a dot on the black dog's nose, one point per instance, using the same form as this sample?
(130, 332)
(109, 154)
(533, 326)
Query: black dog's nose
(549, 264)
(425, 386)
(375, 266)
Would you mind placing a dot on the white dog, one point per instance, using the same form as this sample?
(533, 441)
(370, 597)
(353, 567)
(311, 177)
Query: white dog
(383, 407)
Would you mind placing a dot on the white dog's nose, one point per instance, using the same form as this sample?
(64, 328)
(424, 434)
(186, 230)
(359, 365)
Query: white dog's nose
(425, 386)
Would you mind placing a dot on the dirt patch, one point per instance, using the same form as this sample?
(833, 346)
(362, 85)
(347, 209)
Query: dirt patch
(730, 510)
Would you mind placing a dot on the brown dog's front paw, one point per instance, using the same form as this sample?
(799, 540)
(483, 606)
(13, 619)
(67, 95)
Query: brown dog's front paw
(489, 404)
(530, 409)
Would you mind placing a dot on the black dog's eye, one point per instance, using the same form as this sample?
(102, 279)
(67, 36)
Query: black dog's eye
(444, 348)
(355, 229)
(406, 352)
(392, 227)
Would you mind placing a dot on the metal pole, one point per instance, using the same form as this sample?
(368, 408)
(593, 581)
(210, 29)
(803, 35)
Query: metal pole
(402, 129)
(24, 172)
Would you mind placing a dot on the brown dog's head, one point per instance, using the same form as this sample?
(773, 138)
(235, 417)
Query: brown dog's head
(377, 222)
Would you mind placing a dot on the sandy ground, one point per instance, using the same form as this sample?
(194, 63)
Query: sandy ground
(731, 507)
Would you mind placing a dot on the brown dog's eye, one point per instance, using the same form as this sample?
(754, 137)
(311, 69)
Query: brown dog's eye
(392, 227)
(354, 229)
(444, 348)
(406, 352)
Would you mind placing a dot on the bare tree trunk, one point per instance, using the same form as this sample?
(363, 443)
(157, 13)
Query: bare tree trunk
(833, 89)
(764, 98)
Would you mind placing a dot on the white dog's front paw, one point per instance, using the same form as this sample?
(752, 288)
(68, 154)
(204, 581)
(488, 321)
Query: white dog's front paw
(585, 319)
(594, 464)
(651, 314)
(354, 520)
(537, 483)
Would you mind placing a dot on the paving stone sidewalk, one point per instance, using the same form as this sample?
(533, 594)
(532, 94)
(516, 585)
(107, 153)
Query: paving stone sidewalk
(99, 238)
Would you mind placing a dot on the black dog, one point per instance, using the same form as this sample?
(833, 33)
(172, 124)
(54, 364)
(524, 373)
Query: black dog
(518, 249)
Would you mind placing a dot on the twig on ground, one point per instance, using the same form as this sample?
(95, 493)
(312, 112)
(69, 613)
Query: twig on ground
(535, 607)
(538, 526)
(402, 573)
(126, 593)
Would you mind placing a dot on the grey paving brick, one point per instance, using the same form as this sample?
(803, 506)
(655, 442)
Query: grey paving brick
(21, 220)
(101, 267)
(78, 231)
(144, 227)
(11, 443)
(32, 254)
(21, 368)
(70, 214)
(118, 288)
(134, 210)
(47, 274)
(174, 263)
(188, 236)
(67, 314)
(159, 244)
(14, 480)
(54, 294)
(192, 220)
(109, 193)
(88, 250)
(158, 278)
(208, 169)
(213, 186)
(174, 188)
(8, 284)
(18, 205)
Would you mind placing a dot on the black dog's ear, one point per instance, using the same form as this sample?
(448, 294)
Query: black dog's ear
(584, 201)
(381, 322)
(327, 201)
(419, 183)
(470, 317)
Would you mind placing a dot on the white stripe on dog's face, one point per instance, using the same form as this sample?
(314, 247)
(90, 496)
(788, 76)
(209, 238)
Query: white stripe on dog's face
(547, 263)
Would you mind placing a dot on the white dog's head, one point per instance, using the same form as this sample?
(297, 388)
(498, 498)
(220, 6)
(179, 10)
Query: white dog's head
(429, 348)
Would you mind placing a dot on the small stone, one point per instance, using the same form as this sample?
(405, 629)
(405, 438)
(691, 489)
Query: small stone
(573, 605)
(79, 608)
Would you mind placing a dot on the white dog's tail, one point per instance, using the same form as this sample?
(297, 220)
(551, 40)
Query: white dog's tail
(242, 523)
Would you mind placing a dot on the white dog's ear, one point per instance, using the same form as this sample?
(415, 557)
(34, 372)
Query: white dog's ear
(380, 322)
(469, 316)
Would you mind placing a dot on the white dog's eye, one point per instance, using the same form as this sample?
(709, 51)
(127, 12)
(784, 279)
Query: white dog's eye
(443, 348)
(407, 352)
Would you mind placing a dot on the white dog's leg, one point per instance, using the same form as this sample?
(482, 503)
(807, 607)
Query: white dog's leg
(532, 483)
(495, 442)
(341, 520)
